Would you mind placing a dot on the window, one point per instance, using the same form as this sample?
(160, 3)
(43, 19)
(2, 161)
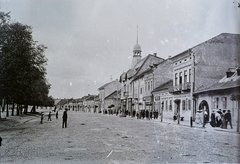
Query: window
(216, 102)
(145, 86)
(224, 101)
(151, 86)
(170, 105)
(166, 105)
(189, 75)
(185, 76)
(183, 105)
(189, 104)
(148, 86)
(141, 91)
(180, 78)
(176, 78)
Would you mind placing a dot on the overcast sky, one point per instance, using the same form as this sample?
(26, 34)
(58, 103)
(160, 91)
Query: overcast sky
(91, 41)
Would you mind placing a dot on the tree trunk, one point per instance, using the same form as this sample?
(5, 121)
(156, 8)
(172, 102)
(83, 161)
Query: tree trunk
(18, 109)
(33, 109)
(7, 115)
(25, 109)
(13, 106)
(238, 118)
(21, 109)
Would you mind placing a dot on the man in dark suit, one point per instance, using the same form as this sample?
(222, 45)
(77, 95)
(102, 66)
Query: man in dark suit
(228, 118)
(64, 123)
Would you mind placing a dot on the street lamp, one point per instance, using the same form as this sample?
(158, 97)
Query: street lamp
(191, 89)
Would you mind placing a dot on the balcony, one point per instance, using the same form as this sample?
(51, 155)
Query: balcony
(186, 86)
(125, 94)
(180, 87)
(177, 88)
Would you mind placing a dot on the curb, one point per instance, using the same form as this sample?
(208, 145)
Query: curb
(204, 128)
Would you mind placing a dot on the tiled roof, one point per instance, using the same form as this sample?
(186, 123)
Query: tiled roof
(164, 86)
(221, 38)
(224, 83)
(113, 95)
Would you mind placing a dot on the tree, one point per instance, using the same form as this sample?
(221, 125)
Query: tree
(22, 65)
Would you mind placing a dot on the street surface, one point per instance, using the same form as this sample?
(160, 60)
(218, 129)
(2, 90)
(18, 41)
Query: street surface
(97, 138)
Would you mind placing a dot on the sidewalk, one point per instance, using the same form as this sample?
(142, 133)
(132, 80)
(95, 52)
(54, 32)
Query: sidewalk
(207, 127)
(12, 121)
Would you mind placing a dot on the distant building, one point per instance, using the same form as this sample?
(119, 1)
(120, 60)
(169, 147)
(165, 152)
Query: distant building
(105, 91)
(163, 99)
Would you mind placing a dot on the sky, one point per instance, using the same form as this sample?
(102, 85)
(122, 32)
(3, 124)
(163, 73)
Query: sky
(90, 42)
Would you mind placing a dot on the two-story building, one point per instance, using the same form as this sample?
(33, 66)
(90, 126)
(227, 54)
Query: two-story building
(200, 67)
(105, 91)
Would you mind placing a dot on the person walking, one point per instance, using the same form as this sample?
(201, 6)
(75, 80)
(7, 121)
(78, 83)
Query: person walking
(228, 118)
(213, 119)
(41, 118)
(0, 141)
(64, 123)
(223, 126)
(57, 115)
(49, 116)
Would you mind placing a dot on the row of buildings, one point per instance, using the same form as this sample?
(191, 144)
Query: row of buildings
(204, 77)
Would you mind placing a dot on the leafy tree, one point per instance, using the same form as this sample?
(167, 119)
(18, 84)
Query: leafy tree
(22, 65)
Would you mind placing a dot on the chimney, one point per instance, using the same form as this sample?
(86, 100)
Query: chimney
(155, 54)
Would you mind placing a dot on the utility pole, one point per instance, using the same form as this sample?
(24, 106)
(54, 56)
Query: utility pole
(192, 87)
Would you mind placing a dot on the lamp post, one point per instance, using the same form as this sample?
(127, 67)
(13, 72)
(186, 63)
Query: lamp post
(162, 112)
(192, 87)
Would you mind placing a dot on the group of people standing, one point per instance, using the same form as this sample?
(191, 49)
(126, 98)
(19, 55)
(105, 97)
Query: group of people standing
(148, 114)
(221, 119)
(64, 117)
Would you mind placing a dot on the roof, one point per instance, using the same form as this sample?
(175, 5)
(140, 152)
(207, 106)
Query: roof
(137, 47)
(102, 87)
(90, 97)
(221, 38)
(164, 86)
(114, 94)
(62, 102)
(225, 83)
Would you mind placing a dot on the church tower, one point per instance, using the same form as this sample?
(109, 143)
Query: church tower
(136, 53)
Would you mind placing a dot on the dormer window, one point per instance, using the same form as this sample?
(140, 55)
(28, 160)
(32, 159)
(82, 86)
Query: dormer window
(238, 71)
(229, 74)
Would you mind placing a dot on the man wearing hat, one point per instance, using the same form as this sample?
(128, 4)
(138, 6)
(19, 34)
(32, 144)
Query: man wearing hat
(228, 118)
(64, 124)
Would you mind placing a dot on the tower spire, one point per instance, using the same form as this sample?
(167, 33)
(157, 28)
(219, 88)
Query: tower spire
(137, 34)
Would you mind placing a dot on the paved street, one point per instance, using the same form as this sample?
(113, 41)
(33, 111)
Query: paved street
(97, 138)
